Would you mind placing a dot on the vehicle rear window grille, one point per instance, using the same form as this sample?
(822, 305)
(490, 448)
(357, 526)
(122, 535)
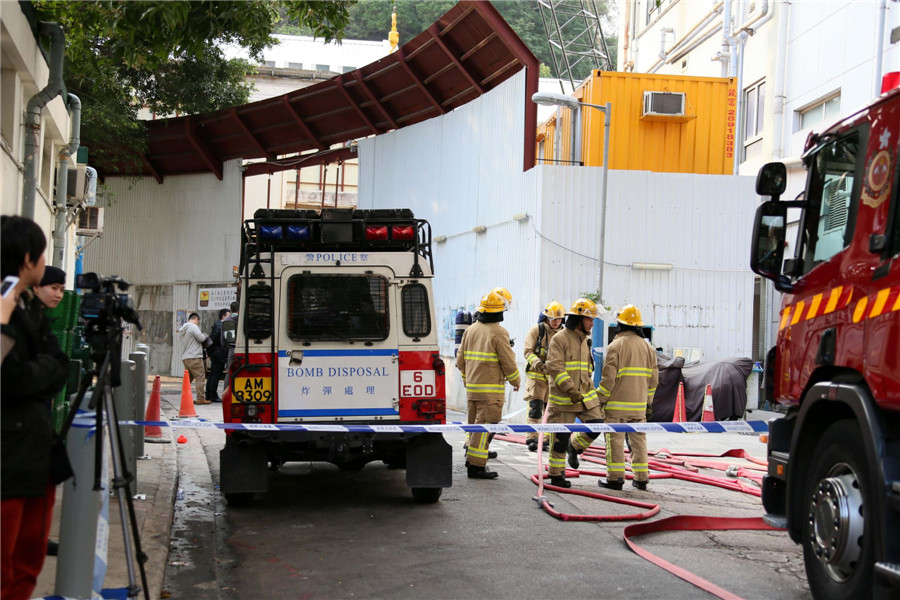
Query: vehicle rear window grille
(416, 310)
(338, 308)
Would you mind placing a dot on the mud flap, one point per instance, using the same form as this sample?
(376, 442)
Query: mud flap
(429, 462)
(243, 469)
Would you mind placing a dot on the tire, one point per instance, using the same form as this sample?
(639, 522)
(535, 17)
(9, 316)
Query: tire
(427, 495)
(838, 519)
(239, 499)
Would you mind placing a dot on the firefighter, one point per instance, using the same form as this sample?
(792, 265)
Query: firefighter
(536, 343)
(570, 373)
(486, 362)
(626, 389)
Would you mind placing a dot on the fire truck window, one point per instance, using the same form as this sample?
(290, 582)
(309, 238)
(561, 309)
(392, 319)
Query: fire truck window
(337, 308)
(832, 195)
(416, 313)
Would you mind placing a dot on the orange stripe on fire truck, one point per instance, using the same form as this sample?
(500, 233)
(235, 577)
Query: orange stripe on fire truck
(867, 307)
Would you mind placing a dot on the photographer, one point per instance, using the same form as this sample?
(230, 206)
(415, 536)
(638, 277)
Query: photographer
(33, 460)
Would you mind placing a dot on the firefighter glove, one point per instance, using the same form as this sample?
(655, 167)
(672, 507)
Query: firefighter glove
(576, 397)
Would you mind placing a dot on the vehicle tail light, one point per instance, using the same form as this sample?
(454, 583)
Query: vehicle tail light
(429, 408)
(438, 365)
(237, 410)
(403, 232)
(376, 232)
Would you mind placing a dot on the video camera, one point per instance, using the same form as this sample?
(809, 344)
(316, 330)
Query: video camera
(103, 302)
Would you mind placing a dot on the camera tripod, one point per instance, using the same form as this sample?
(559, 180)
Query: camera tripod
(104, 334)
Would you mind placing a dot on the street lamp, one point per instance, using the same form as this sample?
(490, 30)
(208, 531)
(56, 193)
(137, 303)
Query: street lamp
(553, 99)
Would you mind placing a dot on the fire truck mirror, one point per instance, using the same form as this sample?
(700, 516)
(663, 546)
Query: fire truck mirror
(771, 180)
(768, 239)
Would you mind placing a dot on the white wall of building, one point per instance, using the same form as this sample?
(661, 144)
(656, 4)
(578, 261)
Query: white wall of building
(168, 240)
(463, 170)
(23, 73)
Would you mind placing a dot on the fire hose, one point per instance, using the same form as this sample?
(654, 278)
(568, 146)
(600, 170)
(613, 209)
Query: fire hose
(667, 464)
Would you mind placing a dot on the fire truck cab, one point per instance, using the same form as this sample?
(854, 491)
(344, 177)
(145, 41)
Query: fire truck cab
(834, 459)
(336, 328)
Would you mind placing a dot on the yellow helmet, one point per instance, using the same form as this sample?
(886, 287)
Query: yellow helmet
(584, 308)
(554, 310)
(493, 303)
(505, 293)
(630, 315)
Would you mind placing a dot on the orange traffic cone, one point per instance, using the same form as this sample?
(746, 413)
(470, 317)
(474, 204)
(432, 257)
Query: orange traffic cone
(680, 414)
(709, 413)
(153, 433)
(187, 399)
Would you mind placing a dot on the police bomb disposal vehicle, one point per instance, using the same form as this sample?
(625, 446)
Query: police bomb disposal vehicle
(336, 328)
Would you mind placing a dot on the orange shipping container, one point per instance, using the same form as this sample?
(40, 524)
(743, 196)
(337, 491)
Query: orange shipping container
(699, 138)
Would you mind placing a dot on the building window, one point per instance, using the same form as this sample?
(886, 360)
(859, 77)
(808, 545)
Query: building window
(825, 110)
(270, 63)
(295, 65)
(321, 67)
(754, 110)
(348, 69)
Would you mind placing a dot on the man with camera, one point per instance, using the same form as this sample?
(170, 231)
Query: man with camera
(192, 356)
(34, 461)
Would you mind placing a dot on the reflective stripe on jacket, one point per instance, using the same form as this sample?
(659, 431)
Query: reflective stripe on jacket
(630, 375)
(536, 384)
(486, 362)
(569, 370)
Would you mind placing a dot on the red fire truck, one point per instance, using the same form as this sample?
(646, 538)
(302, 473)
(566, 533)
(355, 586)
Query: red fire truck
(336, 330)
(834, 459)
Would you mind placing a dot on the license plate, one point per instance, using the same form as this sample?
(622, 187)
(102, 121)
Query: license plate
(253, 389)
(417, 384)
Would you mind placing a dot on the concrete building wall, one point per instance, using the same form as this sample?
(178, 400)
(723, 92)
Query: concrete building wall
(23, 73)
(169, 240)
(540, 239)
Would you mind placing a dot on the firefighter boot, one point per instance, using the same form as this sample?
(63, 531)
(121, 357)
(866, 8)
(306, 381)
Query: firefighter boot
(573, 455)
(641, 485)
(532, 445)
(615, 484)
(481, 473)
(491, 453)
(560, 481)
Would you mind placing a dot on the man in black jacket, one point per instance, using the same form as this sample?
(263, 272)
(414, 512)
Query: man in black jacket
(217, 355)
(32, 374)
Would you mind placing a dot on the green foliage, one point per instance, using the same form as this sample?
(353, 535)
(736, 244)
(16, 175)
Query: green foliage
(166, 56)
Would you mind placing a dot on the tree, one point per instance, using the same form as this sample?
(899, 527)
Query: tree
(166, 57)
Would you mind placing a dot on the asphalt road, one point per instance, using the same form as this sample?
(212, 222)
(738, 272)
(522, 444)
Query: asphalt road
(323, 533)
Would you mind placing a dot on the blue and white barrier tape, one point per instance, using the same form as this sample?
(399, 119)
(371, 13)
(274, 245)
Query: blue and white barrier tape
(689, 427)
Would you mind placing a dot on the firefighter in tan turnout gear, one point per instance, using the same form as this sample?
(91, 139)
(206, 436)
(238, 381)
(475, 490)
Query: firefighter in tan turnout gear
(630, 375)
(572, 394)
(536, 343)
(486, 362)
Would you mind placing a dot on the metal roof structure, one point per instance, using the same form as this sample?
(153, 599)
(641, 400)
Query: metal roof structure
(467, 52)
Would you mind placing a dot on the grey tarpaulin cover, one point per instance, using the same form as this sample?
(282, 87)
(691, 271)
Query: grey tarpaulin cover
(728, 378)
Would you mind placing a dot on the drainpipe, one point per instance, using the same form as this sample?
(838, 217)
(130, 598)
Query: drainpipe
(686, 38)
(695, 44)
(784, 8)
(53, 89)
(62, 182)
(879, 47)
(726, 53)
(662, 41)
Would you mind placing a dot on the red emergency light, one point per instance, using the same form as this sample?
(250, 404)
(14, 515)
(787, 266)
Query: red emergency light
(403, 232)
(376, 232)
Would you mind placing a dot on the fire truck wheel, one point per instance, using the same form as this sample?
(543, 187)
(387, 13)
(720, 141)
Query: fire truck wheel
(838, 534)
(427, 495)
(239, 498)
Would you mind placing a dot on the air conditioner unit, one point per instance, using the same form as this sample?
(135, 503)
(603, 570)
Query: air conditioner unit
(666, 104)
(90, 221)
(76, 187)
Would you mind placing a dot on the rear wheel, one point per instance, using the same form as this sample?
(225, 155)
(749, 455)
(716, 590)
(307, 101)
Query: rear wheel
(839, 523)
(427, 495)
(239, 498)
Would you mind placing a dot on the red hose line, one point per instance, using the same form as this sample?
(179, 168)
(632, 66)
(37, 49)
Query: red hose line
(691, 523)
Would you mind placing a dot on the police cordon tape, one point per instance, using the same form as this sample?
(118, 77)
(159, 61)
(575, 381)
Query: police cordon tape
(688, 427)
